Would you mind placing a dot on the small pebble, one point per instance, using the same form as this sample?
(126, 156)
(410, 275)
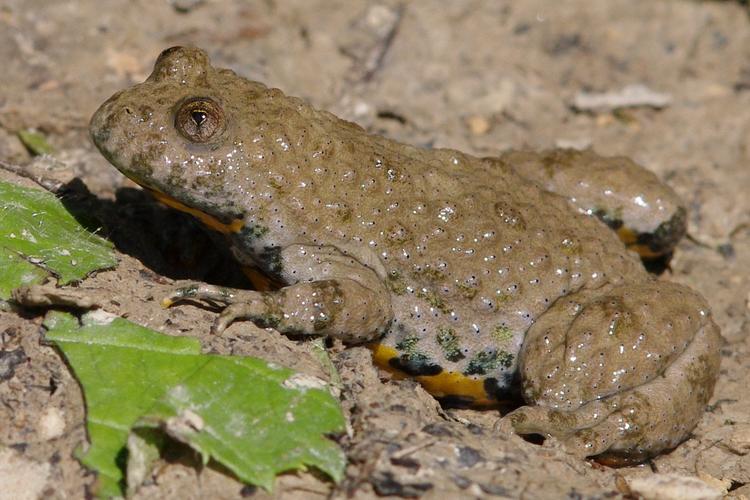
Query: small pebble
(52, 424)
(739, 441)
(478, 125)
(673, 487)
(21, 479)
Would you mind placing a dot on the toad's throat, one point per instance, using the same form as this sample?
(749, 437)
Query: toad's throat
(209, 220)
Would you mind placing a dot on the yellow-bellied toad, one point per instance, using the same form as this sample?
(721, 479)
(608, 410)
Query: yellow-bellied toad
(477, 276)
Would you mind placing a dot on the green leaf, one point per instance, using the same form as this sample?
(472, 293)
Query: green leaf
(254, 418)
(14, 272)
(35, 225)
(35, 142)
(144, 448)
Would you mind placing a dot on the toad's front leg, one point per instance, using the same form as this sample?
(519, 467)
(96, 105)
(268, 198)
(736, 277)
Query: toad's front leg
(329, 293)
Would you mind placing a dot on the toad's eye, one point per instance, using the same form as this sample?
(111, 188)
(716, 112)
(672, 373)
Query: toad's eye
(200, 119)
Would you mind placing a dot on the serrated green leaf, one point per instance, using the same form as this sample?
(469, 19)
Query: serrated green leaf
(35, 142)
(35, 225)
(254, 418)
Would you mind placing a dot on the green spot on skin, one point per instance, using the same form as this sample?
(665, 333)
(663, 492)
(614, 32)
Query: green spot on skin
(430, 274)
(502, 298)
(571, 247)
(434, 300)
(272, 257)
(408, 348)
(270, 320)
(418, 357)
(323, 322)
(345, 214)
(467, 291)
(273, 183)
(447, 340)
(407, 344)
(395, 283)
(484, 362)
(505, 359)
(501, 334)
(208, 185)
(258, 231)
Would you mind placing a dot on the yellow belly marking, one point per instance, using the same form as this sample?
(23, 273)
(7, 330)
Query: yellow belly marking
(440, 385)
(233, 227)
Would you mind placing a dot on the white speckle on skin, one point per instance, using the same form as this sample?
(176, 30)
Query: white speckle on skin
(638, 200)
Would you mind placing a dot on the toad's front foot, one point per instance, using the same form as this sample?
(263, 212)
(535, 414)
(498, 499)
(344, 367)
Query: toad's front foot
(240, 304)
(341, 308)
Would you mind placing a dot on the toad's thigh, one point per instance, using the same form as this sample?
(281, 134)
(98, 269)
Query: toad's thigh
(600, 342)
(642, 357)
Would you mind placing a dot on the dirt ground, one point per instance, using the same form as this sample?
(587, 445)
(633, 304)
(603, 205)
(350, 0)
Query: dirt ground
(480, 76)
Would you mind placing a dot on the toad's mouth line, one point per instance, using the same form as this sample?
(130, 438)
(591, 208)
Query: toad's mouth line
(209, 220)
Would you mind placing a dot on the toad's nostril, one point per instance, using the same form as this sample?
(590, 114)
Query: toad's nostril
(127, 110)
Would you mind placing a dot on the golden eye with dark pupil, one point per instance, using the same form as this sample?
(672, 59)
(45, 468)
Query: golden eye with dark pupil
(200, 119)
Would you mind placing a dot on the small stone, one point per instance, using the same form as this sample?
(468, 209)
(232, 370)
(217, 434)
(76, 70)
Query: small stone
(381, 19)
(468, 457)
(578, 144)
(673, 487)
(719, 484)
(741, 493)
(630, 96)
(52, 424)
(478, 125)
(739, 441)
(9, 360)
(21, 479)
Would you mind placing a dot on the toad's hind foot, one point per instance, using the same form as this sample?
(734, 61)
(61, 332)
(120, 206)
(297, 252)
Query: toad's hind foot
(621, 375)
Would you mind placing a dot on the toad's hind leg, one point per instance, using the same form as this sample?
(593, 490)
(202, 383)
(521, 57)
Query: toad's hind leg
(623, 374)
(647, 214)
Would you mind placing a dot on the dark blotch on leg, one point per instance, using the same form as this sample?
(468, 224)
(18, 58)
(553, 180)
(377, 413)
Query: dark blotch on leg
(415, 365)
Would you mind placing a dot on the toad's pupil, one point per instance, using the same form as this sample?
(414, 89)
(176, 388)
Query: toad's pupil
(199, 117)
